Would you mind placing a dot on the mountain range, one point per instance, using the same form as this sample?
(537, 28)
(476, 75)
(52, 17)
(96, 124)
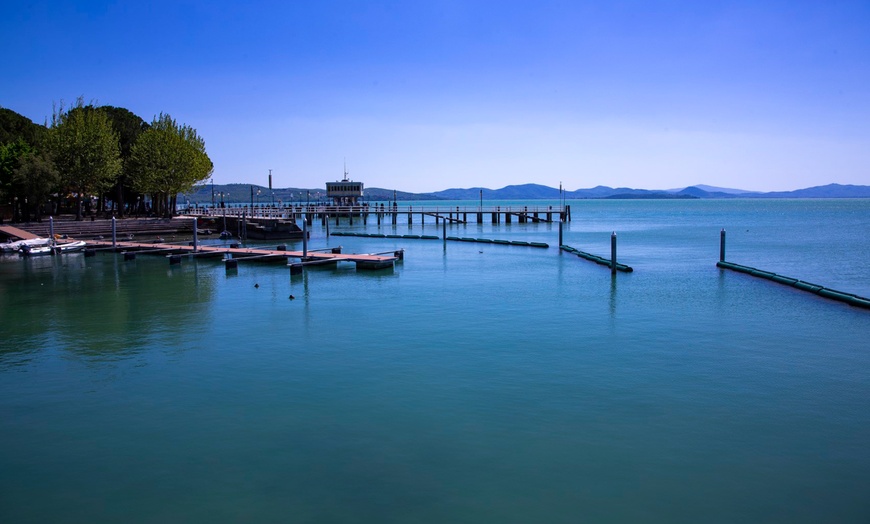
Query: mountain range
(240, 193)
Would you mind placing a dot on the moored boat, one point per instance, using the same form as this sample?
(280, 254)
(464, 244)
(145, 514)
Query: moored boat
(14, 247)
(57, 249)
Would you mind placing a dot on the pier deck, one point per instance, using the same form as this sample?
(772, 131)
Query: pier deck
(363, 261)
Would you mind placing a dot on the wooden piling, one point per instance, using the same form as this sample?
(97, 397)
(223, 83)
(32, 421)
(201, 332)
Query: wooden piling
(613, 253)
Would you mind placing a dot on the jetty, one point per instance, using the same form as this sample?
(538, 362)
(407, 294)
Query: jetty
(234, 254)
(388, 213)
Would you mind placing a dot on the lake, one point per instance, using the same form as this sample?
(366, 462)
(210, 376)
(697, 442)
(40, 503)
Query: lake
(471, 383)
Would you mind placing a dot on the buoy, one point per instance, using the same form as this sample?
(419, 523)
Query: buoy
(292, 297)
(257, 286)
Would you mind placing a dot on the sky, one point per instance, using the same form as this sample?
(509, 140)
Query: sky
(425, 96)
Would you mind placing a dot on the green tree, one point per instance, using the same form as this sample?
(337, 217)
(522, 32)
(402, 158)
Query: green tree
(85, 150)
(11, 156)
(166, 160)
(36, 178)
(14, 126)
(129, 126)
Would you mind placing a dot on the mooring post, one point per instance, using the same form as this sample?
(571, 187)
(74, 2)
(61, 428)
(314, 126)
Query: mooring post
(304, 236)
(51, 227)
(195, 238)
(327, 226)
(613, 253)
(722, 245)
(444, 229)
(560, 233)
(114, 233)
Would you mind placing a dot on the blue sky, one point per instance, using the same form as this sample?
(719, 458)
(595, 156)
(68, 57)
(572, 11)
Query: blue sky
(423, 96)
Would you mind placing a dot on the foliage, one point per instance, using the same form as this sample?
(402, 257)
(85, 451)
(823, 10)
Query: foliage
(129, 126)
(85, 149)
(11, 155)
(36, 178)
(168, 159)
(14, 127)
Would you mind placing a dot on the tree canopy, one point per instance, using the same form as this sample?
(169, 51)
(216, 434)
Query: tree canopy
(85, 149)
(14, 127)
(168, 159)
(88, 150)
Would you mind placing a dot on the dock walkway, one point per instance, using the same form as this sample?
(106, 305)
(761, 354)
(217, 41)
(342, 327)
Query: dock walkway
(362, 261)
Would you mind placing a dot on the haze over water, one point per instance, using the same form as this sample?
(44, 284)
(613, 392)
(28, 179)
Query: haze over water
(472, 383)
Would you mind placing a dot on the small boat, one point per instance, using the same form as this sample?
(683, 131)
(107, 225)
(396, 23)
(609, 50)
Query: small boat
(57, 249)
(14, 247)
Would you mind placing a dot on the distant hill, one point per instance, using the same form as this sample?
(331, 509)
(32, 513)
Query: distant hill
(525, 191)
(241, 193)
(828, 191)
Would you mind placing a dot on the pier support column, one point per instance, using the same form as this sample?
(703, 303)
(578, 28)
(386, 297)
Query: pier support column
(722, 245)
(195, 237)
(114, 233)
(613, 253)
(410, 214)
(305, 236)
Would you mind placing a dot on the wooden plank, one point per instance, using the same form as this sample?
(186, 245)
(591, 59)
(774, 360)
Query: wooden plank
(17, 233)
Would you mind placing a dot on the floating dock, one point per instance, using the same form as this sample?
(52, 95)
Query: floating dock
(362, 261)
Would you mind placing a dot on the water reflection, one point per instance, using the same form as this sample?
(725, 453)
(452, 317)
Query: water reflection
(100, 307)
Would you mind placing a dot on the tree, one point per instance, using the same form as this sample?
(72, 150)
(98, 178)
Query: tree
(11, 156)
(14, 126)
(36, 178)
(85, 150)
(129, 126)
(166, 160)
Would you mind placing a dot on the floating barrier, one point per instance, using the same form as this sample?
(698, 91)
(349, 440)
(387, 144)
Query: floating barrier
(497, 241)
(381, 235)
(822, 291)
(595, 258)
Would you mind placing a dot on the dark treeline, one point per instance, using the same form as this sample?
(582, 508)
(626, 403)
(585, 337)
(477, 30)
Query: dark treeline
(91, 160)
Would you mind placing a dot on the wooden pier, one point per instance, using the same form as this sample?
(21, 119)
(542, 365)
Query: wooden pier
(236, 254)
(385, 214)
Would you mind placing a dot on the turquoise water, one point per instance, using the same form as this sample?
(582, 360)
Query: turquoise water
(472, 383)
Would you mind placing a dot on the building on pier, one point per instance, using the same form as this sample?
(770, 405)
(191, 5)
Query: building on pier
(345, 193)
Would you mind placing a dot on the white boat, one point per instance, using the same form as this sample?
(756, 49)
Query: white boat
(57, 249)
(14, 247)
